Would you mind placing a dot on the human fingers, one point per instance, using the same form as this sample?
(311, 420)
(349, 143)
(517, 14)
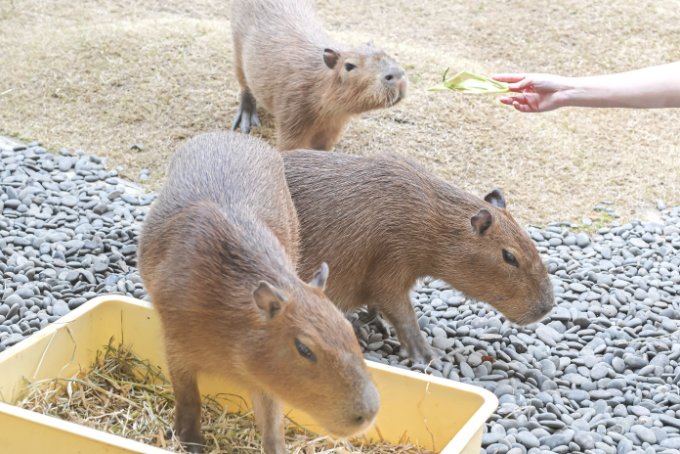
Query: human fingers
(511, 78)
(524, 107)
(530, 102)
(516, 82)
(526, 84)
(512, 100)
(523, 102)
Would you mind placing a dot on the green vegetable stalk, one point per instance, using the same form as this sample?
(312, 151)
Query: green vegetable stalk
(467, 82)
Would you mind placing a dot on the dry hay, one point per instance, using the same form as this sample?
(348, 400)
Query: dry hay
(104, 75)
(124, 395)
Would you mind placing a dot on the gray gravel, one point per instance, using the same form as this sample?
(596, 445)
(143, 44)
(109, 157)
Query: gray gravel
(68, 229)
(600, 375)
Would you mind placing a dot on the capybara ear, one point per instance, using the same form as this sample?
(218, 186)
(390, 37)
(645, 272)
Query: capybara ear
(269, 299)
(320, 277)
(330, 57)
(481, 221)
(496, 198)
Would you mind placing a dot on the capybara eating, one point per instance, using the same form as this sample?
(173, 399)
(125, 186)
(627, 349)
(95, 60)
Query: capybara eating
(286, 61)
(383, 222)
(217, 254)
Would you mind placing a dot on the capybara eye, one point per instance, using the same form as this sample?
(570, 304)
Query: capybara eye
(349, 66)
(509, 258)
(304, 351)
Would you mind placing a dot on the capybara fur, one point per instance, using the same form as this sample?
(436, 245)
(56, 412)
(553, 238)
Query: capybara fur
(217, 254)
(383, 222)
(312, 85)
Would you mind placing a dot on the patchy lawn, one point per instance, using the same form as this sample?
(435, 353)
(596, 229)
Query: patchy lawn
(103, 76)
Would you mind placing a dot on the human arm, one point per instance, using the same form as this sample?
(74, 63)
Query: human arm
(652, 87)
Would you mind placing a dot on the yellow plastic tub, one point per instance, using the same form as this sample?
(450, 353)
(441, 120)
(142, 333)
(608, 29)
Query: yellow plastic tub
(438, 414)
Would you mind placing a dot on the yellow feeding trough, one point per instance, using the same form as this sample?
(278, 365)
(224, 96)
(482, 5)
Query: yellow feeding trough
(434, 413)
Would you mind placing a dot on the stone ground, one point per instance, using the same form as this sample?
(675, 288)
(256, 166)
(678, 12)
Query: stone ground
(599, 375)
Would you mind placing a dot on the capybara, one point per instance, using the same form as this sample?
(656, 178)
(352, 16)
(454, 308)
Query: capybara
(286, 61)
(382, 222)
(217, 255)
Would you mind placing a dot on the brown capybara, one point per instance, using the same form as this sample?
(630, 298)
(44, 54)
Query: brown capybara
(383, 222)
(312, 85)
(217, 257)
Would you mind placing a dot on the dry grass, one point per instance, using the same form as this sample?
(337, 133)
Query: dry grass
(124, 395)
(103, 75)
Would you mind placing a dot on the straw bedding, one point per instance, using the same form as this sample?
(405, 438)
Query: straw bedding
(125, 395)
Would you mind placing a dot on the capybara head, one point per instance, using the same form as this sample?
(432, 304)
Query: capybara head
(310, 358)
(366, 78)
(498, 263)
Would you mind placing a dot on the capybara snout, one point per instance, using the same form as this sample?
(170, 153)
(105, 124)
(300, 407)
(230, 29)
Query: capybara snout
(395, 81)
(503, 265)
(384, 82)
(544, 306)
(331, 381)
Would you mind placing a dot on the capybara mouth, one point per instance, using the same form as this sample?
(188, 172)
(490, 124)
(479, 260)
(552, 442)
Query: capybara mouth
(351, 430)
(534, 316)
(397, 99)
(399, 94)
(393, 97)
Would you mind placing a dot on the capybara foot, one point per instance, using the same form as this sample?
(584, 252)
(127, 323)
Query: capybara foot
(246, 117)
(192, 442)
(367, 317)
(418, 350)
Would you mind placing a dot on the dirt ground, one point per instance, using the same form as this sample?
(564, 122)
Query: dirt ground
(103, 76)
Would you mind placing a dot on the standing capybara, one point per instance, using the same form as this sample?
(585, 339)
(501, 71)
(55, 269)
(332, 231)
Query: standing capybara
(382, 222)
(311, 84)
(217, 255)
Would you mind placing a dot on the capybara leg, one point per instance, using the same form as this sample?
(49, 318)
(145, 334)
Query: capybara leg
(325, 140)
(246, 117)
(187, 409)
(401, 315)
(269, 419)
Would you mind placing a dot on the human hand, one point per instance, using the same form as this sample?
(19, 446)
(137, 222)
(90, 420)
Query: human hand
(538, 92)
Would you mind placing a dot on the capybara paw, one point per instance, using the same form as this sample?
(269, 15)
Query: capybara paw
(193, 447)
(274, 448)
(367, 317)
(246, 121)
(241, 120)
(254, 119)
(421, 353)
(192, 442)
(246, 117)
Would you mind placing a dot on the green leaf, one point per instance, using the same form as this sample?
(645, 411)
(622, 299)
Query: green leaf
(467, 82)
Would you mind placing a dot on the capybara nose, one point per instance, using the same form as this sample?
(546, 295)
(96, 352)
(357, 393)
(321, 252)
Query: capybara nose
(547, 301)
(394, 75)
(365, 417)
(546, 308)
(370, 405)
